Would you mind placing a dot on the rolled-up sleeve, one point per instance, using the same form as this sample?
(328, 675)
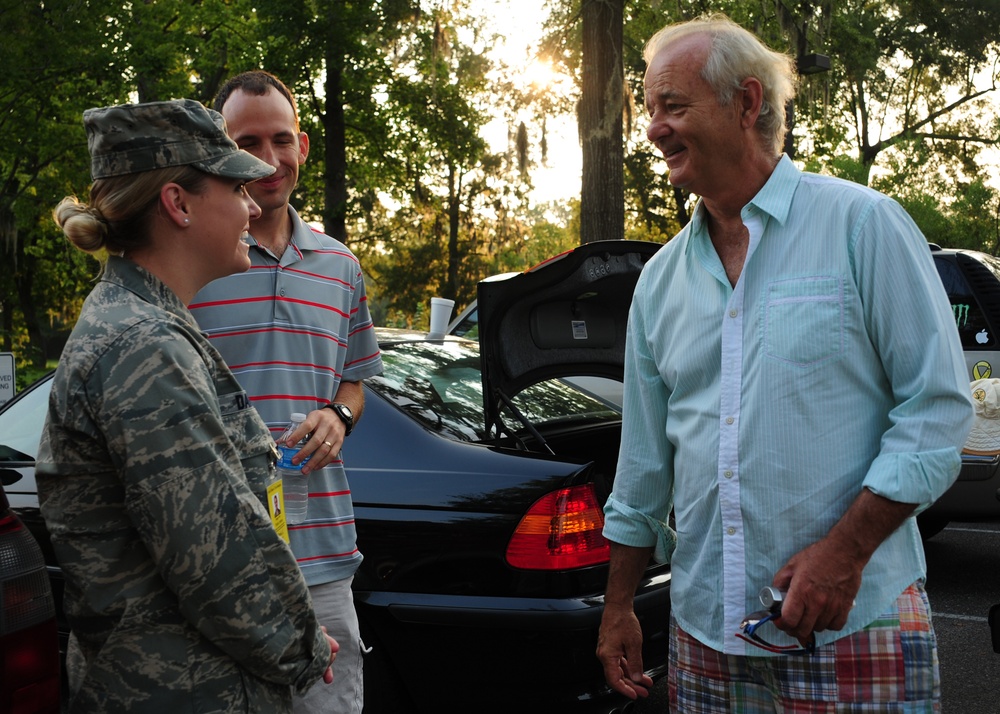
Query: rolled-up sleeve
(911, 323)
(637, 512)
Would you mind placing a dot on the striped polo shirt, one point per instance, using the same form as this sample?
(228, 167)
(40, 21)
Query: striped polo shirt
(291, 330)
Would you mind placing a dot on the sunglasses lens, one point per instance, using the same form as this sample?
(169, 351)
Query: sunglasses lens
(748, 629)
(754, 620)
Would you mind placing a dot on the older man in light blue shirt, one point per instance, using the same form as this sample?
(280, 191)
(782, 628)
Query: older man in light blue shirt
(794, 386)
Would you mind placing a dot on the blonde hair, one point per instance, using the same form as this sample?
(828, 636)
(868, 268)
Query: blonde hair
(117, 217)
(736, 54)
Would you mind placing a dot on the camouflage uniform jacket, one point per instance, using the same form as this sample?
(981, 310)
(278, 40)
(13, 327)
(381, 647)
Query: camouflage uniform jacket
(152, 475)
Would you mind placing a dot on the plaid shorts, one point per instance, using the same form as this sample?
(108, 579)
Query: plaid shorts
(889, 667)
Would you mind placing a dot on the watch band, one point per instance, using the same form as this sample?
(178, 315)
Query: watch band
(344, 413)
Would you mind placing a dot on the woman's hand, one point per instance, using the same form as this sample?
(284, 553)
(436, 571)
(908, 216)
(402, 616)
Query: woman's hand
(334, 647)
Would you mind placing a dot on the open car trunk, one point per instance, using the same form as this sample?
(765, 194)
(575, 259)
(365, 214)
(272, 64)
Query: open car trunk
(564, 318)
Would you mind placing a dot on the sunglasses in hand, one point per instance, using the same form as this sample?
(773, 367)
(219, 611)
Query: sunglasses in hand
(771, 598)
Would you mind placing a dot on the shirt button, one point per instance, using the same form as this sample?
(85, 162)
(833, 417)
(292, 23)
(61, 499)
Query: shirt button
(731, 530)
(727, 474)
(281, 292)
(733, 313)
(729, 420)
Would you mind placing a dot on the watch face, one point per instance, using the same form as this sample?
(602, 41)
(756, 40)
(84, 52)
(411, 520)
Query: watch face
(346, 415)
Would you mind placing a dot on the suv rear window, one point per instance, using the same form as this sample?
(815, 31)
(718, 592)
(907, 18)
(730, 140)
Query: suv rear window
(973, 328)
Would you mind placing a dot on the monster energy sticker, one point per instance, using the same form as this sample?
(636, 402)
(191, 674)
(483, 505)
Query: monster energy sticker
(961, 315)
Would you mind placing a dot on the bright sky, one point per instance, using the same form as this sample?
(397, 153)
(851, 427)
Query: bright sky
(520, 22)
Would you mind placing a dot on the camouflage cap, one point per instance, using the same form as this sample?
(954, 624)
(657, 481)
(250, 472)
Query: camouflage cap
(131, 138)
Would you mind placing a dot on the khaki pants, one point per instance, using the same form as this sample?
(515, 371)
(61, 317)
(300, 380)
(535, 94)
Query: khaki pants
(334, 605)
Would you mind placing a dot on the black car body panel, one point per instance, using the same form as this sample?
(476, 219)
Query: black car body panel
(465, 498)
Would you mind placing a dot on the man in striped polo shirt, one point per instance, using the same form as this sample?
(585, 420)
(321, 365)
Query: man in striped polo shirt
(296, 331)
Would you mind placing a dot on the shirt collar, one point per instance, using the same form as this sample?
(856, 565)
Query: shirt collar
(145, 285)
(774, 198)
(303, 237)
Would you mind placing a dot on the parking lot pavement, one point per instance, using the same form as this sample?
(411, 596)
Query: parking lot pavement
(963, 581)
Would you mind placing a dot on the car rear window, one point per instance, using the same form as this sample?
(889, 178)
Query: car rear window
(973, 328)
(440, 385)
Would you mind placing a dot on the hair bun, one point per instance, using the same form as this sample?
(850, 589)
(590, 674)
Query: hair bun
(84, 226)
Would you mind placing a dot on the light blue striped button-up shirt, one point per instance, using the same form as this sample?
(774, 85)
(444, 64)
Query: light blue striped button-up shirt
(758, 412)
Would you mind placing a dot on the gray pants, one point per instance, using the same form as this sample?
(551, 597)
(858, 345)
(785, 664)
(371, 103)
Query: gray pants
(334, 607)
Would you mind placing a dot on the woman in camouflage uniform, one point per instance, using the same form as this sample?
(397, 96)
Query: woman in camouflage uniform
(154, 471)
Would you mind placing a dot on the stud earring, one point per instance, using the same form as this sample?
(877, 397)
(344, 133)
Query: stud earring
(186, 221)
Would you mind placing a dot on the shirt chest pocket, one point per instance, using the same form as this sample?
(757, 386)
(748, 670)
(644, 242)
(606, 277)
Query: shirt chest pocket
(804, 320)
(252, 440)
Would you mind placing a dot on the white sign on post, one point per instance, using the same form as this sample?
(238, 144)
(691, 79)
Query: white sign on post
(6, 377)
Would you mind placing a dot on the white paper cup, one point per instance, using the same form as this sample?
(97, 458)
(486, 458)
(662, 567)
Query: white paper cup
(440, 315)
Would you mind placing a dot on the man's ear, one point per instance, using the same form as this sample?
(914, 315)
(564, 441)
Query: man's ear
(173, 202)
(303, 147)
(751, 99)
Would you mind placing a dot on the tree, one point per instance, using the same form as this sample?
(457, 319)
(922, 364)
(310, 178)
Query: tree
(454, 208)
(602, 196)
(56, 64)
(61, 58)
(394, 94)
(336, 56)
(902, 72)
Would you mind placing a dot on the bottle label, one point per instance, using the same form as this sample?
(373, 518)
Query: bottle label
(285, 456)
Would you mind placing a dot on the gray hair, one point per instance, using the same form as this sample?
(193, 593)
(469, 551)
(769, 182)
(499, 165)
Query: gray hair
(736, 54)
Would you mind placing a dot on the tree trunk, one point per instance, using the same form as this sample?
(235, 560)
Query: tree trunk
(335, 154)
(680, 198)
(602, 195)
(24, 284)
(454, 214)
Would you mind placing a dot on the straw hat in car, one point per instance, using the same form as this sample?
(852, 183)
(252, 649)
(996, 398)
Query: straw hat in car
(984, 439)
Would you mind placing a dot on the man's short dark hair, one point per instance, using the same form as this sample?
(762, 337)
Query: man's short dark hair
(256, 82)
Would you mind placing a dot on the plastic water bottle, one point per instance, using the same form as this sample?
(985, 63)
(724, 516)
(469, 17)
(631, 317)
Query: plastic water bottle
(294, 484)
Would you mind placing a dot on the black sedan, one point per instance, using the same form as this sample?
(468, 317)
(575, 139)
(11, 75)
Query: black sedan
(478, 481)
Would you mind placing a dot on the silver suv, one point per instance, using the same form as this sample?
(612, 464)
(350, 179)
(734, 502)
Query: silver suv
(972, 281)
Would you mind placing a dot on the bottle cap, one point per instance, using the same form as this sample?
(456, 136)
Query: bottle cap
(298, 416)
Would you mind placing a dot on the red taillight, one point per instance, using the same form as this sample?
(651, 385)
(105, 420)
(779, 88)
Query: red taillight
(562, 530)
(10, 523)
(29, 646)
(29, 660)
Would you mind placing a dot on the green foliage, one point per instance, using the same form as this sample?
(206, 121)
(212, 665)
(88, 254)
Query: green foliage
(842, 166)
(903, 72)
(395, 93)
(976, 219)
(55, 65)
